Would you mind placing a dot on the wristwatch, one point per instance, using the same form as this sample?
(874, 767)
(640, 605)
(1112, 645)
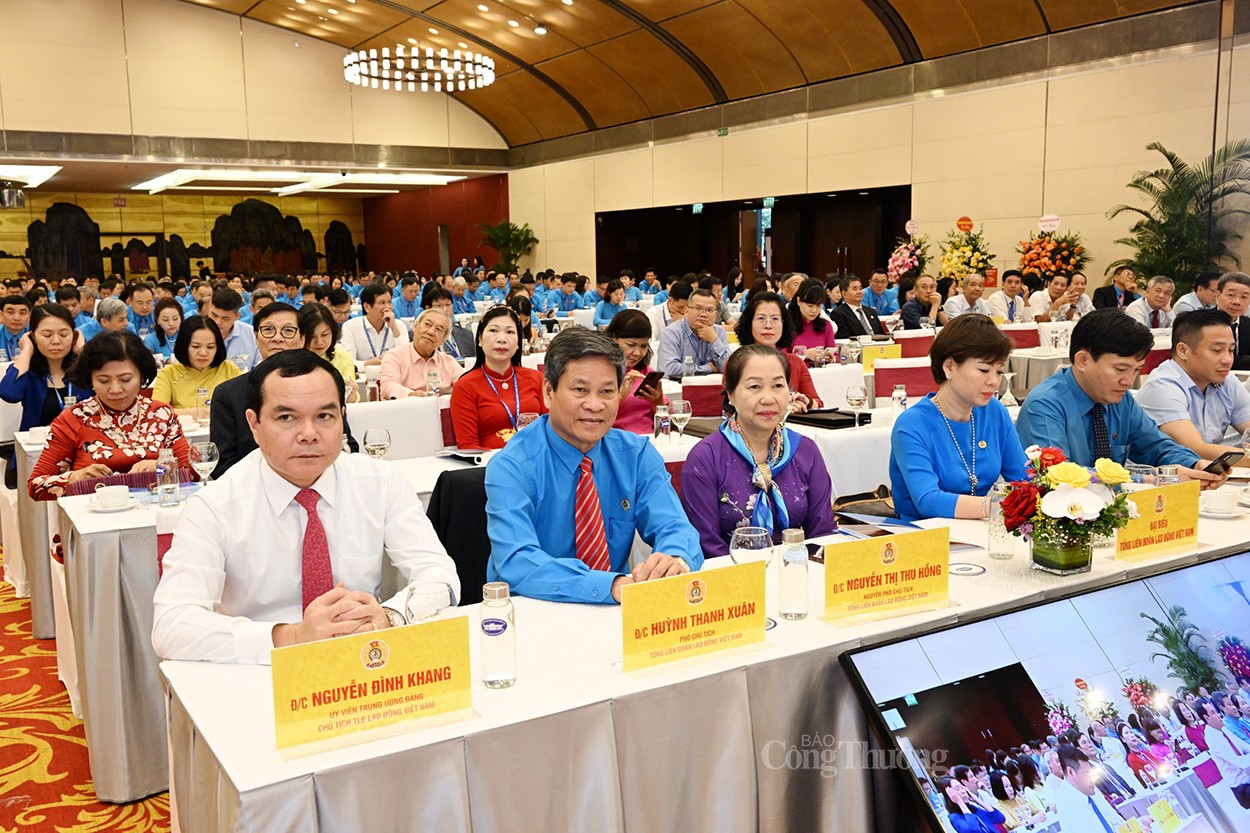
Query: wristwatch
(394, 618)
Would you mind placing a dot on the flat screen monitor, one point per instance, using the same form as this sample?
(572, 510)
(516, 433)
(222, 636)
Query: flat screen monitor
(1093, 713)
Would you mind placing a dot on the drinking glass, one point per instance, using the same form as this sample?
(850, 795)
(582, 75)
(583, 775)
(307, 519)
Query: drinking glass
(426, 599)
(1008, 398)
(800, 351)
(377, 442)
(679, 412)
(854, 350)
(856, 396)
(926, 323)
(1141, 477)
(204, 457)
(751, 543)
(1245, 442)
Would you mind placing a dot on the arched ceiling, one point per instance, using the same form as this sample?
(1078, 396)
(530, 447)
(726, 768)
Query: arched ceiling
(610, 62)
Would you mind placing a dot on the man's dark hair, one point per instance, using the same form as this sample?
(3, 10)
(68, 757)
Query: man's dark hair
(227, 299)
(1234, 277)
(580, 343)
(680, 291)
(66, 293)
(433, 292)
(137, 286)
(272, 309)
(1110, 331)
(369, 295)
(108, 347)
(1071, 758)
(408, 279)
(288, 364)
(1207, 280)
(17, 300)
(1188, 326)
(1012, 272)
(845, 283)
(338, 297)
(190, 327)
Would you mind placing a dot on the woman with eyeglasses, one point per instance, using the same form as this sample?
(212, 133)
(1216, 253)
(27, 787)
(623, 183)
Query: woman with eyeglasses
(764, 321)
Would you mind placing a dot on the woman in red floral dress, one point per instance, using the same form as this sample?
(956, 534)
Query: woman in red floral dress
(114, 432)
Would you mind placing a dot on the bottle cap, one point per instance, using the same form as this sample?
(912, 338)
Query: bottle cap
(792, 536)
(903, 388)
(494, 591)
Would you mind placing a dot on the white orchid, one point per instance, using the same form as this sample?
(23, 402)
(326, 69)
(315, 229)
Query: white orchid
(1034, 453)
(1079, 504)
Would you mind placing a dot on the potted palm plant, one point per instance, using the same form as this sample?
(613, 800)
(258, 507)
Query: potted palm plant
(513, 242)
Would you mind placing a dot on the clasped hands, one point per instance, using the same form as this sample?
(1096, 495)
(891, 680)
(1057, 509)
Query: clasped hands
(337, 612)
(657, 565)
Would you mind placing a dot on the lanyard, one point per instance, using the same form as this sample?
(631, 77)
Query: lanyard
(385, 334)
(700, 347)
(516, 392)
(454, 348)
(69, 391)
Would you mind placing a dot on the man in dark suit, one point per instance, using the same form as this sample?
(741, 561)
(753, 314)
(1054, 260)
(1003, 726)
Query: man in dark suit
(851, 317)
(277, 329)
(1233, 300)
(1120, 293)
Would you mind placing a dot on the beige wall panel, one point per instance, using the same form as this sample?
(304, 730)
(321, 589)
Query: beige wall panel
(386, 117)
(760, 163)
(15, 222)
(999, 154)
(859, 169)
(575, 174)
(143, 202)
(525, 181)
(1133, 90)
(63, 66)
(466, 129)
(985, 199)
(997, 110)
(294, 93)
(623, 180)
(860, 150)
(1120, 143)
(298, 205)
(689, 172)
(190, 84)
(1089, 191)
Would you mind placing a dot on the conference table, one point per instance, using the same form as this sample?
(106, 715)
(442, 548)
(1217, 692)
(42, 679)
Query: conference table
(577, 744)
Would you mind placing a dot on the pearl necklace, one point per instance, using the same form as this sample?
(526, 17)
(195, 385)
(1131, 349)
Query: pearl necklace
(972, 470)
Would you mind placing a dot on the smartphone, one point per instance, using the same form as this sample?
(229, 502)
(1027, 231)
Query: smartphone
(1224, 462)
(652, 380)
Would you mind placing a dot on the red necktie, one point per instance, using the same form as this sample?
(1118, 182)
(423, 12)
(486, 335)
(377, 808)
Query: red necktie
(1154, 319)
(588, 536)
(318, 578)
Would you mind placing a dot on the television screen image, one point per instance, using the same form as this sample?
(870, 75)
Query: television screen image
(1117, 711)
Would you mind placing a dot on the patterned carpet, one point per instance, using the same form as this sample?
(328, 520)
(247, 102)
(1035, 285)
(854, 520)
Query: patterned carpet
(45, 781)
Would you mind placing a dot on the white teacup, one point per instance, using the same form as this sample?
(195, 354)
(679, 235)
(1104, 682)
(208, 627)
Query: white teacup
(1220, 502)
(373, 371)
(111, 497)
(1245, 494)
(39, 433)
(188, 422)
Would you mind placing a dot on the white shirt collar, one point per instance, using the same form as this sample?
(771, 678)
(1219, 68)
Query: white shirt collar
(281, 492)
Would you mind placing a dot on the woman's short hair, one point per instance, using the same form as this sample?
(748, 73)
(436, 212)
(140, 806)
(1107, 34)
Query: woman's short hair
(631, 323)
(192, 325)
(968, 336)
(743, 327)
(738, 359)
(38, 362)
(810, 292)
(313, 315)
(162, 305)
(489, 316)
(120, 346)
(613, 285)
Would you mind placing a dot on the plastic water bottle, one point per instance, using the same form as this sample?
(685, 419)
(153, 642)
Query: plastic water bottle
(167, 478)
(433, 383)
(373, 391)
(1001, 546)
(687, 366)
(201, 406)
(498, 636)
(898, 401)
(793, 575)
(663, 424)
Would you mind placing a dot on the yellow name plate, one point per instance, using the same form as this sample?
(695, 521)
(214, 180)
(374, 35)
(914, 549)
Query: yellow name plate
(1167, 520)
(325, 690)
(872, 352)
(880, 577)
(691, 615)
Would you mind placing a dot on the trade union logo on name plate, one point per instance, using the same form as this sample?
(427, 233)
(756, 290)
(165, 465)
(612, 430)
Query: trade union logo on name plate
(696, 592)
(1160, 503)
(888, 553)
(374, 654)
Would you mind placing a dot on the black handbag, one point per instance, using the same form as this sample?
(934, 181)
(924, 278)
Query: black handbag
(877, 503)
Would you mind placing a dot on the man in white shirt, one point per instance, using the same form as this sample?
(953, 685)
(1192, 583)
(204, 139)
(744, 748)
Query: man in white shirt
(969, 300)
(224, 308)
(1206, 289)
(1154, 309)
(366, 337)
(287, 547)
(1009, 304)
(673, 309)
(1231, 756)
(1081, 807)
(1057, 302)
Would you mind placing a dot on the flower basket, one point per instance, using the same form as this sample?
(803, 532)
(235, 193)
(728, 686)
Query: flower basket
(965, 252)
(910, 253)
(1050, 254)
(1062, 506)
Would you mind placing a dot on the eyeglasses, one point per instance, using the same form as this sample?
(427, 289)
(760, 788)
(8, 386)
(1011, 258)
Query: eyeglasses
(269, 331)
(704, 310)
(767, 319)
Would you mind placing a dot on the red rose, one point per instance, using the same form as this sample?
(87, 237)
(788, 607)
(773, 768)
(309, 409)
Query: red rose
(1050, 457)
(1019, 505)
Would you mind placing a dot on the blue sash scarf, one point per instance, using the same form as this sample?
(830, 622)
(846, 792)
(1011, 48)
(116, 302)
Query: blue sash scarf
(770, 506)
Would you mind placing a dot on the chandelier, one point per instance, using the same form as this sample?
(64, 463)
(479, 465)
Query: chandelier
(442, 71)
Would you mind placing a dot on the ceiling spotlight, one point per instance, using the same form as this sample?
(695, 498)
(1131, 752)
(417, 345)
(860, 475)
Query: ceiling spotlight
(412, 41)
(481, 7)
(333, 11)
(568, 2)
(433, 31)
(513, 24)
(540, 30)
(462, 45)
(301, 2)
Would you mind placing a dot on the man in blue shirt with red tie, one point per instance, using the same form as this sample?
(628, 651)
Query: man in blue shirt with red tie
(567, 493)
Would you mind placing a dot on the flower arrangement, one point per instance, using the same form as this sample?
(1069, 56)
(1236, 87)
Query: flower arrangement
(1140, 692)
(1096, 707)
(964, 252)
(909, 253)
(1235, 655)
(1048, 253)
(1059, 717)
(1065, 498)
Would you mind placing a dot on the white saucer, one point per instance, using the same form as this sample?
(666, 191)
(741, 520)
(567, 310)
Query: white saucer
(94, 506)
(1223, 516)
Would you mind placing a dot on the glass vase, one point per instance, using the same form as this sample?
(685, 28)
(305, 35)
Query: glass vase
(1062, 553)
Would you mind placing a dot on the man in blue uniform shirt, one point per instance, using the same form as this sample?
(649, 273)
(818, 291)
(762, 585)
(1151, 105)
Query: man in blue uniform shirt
(1085, 410)
(141, 300)
(566, 494)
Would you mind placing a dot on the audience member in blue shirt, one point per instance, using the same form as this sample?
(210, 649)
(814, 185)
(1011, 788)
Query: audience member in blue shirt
(532, 489)
(632, 293)
(878, 296)
(461, 298)
(140, 298)
(592, 297)
(70, 297)
(169, 317)
(36, 377)
(15, 317)
(567, 300)
(226, 311)
(110, 317)
(650, 282)
(607, 309)
(407, 303)
(1107, 350)
(463, 270)
(948, 449)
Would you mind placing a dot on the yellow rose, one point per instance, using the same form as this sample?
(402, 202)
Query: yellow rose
(1068, 473)
(1111, 473)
